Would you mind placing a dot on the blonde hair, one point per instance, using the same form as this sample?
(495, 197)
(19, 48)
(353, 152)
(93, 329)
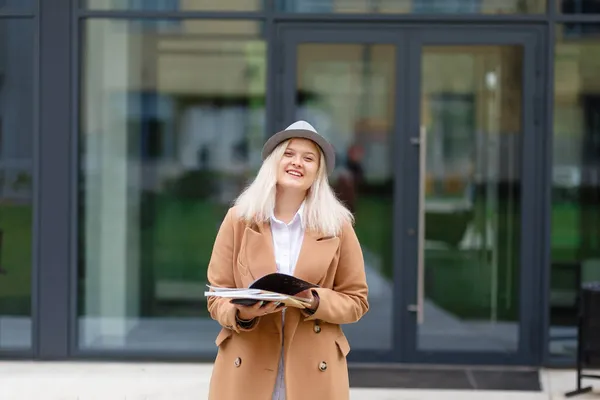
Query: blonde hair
(323, 211)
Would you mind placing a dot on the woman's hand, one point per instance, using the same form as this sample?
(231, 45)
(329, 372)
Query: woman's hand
(259, 309)
(314, 300)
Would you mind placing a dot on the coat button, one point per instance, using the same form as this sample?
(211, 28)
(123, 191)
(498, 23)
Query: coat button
(237, 362)
(317, 328)
(323, 366)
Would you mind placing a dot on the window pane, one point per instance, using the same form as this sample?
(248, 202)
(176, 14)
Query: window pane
(579, 6)
(174, 5)
(16, 182)
(471, 115)
(576, 179)
(172, 130)
(347, 91)
(413, 6)
(16, 5)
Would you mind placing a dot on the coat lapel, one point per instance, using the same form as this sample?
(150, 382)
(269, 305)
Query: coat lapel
(259, 252)
(315, 256)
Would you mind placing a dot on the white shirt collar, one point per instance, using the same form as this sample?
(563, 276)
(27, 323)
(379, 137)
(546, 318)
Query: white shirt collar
(299, 216)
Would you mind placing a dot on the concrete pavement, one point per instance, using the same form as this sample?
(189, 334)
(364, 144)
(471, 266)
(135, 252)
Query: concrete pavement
(175, 381)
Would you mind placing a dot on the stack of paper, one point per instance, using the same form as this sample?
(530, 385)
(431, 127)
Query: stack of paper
(251, 296)
(272, 287)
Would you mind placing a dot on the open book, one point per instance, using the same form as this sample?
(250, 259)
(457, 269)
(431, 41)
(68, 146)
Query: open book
(272, 287)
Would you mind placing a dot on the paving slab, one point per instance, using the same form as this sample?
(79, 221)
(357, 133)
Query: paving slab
(30, 380)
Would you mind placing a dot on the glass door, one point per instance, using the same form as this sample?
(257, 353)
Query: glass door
(435, 131)
(345, 83)
(470, 283)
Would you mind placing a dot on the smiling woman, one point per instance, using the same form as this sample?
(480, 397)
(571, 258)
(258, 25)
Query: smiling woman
(288, 221)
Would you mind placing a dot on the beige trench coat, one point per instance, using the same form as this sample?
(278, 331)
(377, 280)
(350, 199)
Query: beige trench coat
(315, 347)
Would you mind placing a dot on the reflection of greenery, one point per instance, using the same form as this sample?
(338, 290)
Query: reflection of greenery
(15, 258)
(462, 280)
(566, 233)
(178, 241)
(457, 280)
(194, 185)
(181, 238)
(374, 228)
(23, 180)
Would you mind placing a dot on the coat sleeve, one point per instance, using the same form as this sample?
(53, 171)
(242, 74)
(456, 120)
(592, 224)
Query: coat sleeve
(220, 273)
(347, 301)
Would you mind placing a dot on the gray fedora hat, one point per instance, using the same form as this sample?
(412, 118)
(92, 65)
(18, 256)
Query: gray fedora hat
(302, 129)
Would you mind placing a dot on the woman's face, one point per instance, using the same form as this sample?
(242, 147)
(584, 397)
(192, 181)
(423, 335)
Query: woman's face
(299, 165)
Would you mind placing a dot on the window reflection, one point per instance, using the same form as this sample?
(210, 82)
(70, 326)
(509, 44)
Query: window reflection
(16, 182)
(174, 5)
(16, 5)
(172, 129)
(575, 180)
(347, 92)
(413, 6)
(471, 115)
(579, 6)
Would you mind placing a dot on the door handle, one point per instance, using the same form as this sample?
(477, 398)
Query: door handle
(418, 307)
(2, 270)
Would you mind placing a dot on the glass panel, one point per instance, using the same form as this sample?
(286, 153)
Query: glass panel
(172, 128)
(16, 5)
(576, 179)
(347, 92)
(578, 6)
(174, 5)
(471, 112)
(413, 6)
(16, 181)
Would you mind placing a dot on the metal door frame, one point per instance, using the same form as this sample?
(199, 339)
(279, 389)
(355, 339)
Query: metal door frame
(289, 35)
(409, 39)
(531, 174)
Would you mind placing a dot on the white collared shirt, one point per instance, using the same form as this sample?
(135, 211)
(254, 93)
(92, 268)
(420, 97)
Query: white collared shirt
(287, 241)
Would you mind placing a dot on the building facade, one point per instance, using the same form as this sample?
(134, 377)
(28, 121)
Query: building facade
(468, 134)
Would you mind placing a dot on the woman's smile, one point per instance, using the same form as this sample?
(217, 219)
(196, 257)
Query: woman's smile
(295, 173)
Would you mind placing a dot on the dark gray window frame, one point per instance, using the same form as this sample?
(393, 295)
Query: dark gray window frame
(58, 51)
(55, 157)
